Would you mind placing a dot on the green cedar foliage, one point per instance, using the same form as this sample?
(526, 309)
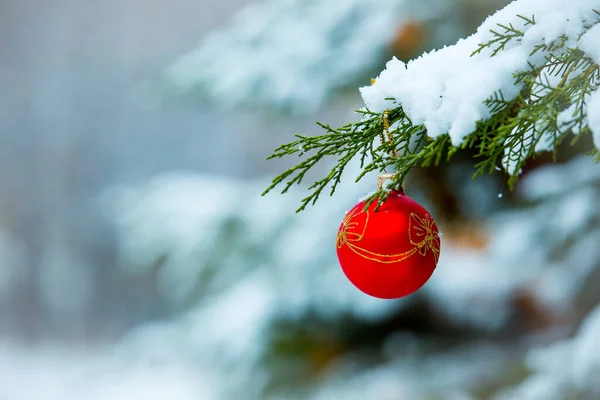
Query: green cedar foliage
(510, 137)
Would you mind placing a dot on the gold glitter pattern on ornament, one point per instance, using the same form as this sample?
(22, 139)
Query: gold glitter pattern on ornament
(420, 234)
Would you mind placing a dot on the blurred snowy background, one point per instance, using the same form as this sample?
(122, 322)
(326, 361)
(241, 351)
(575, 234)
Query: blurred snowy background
(137, 259)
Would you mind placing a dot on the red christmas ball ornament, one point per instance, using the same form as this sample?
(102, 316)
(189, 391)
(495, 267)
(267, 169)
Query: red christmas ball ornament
(391, 252)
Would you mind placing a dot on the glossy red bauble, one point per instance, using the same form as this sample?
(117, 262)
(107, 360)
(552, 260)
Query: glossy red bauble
(391, 252)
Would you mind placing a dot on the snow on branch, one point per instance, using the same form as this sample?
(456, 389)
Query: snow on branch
(522, 84)
(529, 46)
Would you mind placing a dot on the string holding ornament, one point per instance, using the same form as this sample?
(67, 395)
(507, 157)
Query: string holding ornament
(386, 135)
(389, 249)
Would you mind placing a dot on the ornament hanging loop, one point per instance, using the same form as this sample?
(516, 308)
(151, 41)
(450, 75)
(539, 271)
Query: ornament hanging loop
(386, 134)
(383, 178)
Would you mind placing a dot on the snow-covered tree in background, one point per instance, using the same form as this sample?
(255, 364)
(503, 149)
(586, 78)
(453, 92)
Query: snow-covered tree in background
(263, 310)
(294, 54)
(283, 304)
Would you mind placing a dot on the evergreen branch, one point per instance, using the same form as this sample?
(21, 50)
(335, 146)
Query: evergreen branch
(550, 106)
(500, 39)
(538, 113)
(345, 143)
(429, 154)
